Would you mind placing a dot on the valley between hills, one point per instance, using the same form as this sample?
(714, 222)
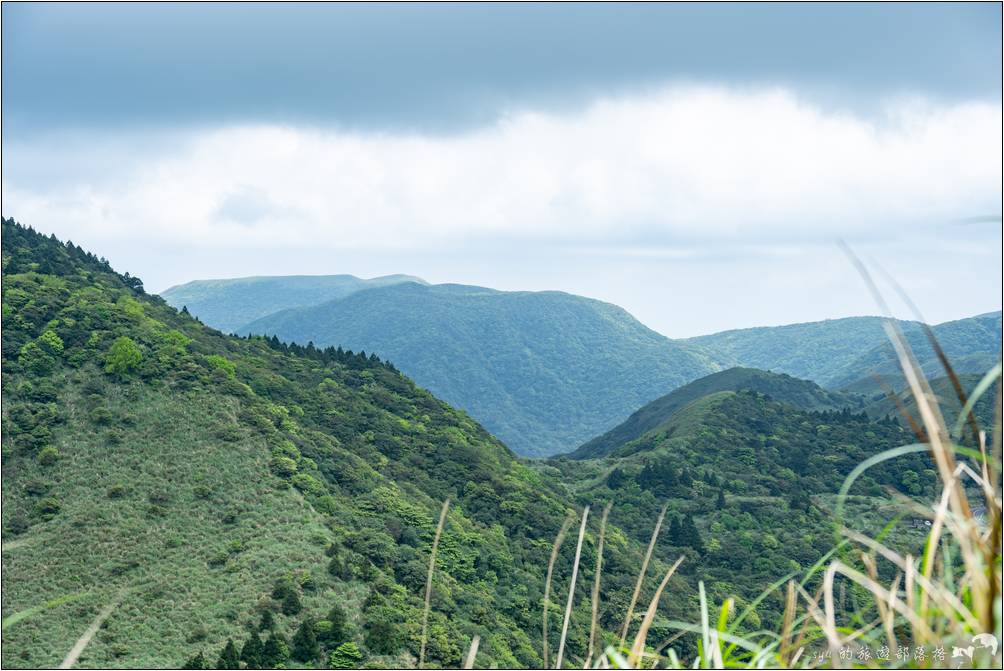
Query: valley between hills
(269, 498)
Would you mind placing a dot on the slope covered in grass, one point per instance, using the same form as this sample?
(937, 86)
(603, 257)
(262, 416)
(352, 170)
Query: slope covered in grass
(199, 481)
(231, 303)
(543, 371)
(801, 394)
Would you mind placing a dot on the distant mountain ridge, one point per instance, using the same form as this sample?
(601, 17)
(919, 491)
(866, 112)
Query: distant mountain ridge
(838, 353)
(548, 370)
(231, 303)
(542, 370)
(800, 394)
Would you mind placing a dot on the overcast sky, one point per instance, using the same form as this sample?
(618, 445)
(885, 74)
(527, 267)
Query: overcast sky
(695, 164)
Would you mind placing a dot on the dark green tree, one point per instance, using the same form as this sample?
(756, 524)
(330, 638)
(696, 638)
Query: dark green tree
(275, 651)
(252, 651)
(383, 637)
(291, 603)
(267, 622)
(339, 625)
(690, 535)
(229, 659)
(305, 647)
(676, 532)
(720, 504)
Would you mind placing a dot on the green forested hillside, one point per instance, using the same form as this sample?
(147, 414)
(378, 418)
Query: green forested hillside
(207, 485)
(879, 404)
(229, 304)
(801, 394)
(750, 485)
(973, 346)
(839, 352)
(543, 371)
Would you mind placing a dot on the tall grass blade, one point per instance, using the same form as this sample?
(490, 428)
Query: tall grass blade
(571, 588)
(596, 583)
(639, 640)
(641, 574)
(558, 540)
(428, 582)
(472, 652)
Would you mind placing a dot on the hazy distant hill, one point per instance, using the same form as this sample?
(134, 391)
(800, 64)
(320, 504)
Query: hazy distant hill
(973, 345)
(839, 352)
(542, 370)
(800, 394)
(879, 404)
(228, 304)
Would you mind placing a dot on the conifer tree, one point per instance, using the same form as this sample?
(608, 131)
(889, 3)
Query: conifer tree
(676, 532)
(691, 536)
(346, 656)
(251, 653)
(291, 603)
(305, 647)
(339, 625)
(229, 659)
(275, 651)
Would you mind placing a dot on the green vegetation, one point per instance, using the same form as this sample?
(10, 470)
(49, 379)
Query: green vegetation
(220, 483)
(176, 496)
(543, 371)
(229, 304)
(866, 604)
(839, 353)
(800, 394)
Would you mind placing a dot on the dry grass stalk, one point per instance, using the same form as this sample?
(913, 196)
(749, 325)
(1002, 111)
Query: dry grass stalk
(428, 582)
(639, 641)
(571, 588)
(641, 574)
(472, 652)
(596, 584)
(558, 540)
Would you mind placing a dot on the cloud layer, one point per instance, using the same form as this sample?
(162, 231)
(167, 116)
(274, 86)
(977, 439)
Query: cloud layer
(637, 200)
(680, 166)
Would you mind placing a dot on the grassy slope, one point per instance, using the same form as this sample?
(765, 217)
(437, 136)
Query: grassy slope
(543, 371)
(99, 545)
(231, 303)
(801, 394)
(166, 486)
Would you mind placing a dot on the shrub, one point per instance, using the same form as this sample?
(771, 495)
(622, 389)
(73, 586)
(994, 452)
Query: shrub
(222, 363)
(307, 483)
(346, 656)
(51, 343)
(34, 358)
(283, 466)
(123, 357)
(48, 456)
(48, 507)
(116, 491)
